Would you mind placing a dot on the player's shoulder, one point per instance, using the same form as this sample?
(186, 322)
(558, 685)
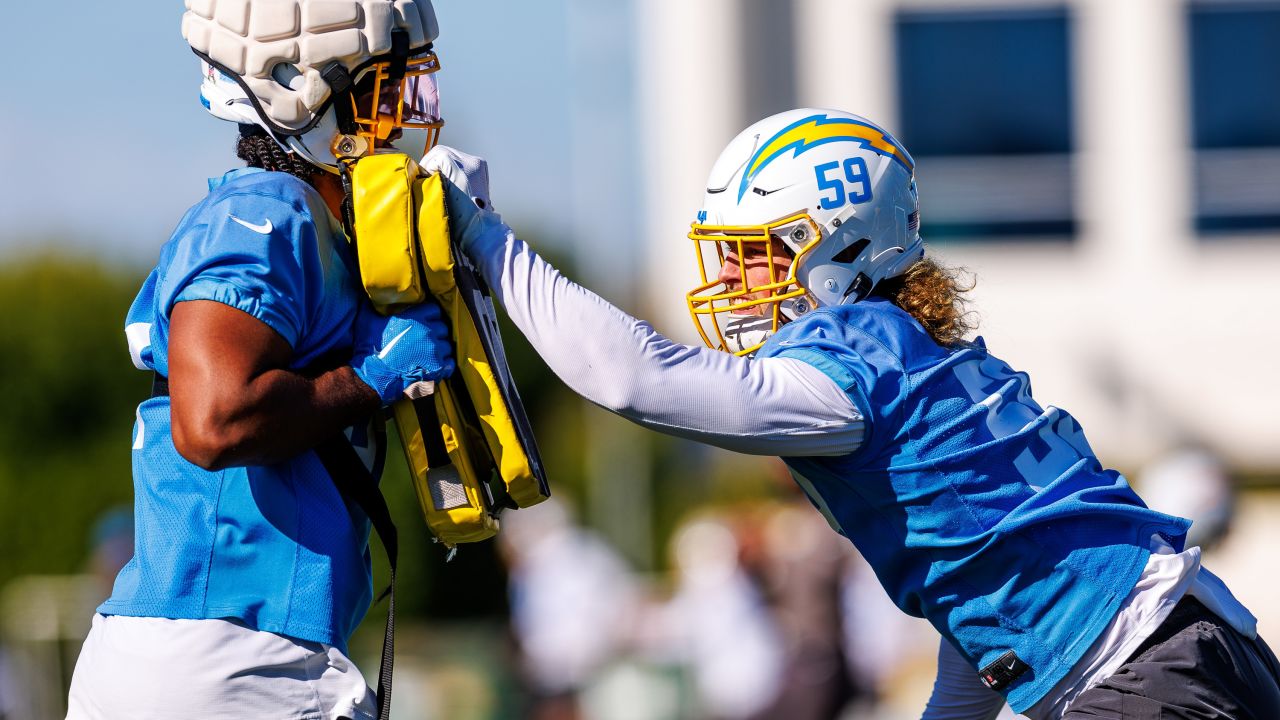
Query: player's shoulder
(871, 332)
(275, 196)
(244, 208)
(871, 318)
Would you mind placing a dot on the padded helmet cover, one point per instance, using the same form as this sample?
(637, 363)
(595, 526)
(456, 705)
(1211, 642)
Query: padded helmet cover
(277, 48)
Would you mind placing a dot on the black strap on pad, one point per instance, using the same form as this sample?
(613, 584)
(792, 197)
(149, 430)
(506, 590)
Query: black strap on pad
(355, 482)
(348, 207)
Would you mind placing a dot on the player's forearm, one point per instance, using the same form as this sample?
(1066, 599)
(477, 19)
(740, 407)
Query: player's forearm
(279, 414)
(581, 336)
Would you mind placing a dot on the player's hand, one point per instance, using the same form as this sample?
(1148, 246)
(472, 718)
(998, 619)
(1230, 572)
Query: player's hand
(396, 352)
(467, 184)
(468, 173)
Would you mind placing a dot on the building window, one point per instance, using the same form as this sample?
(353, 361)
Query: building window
(985, 108)
(1235, 115)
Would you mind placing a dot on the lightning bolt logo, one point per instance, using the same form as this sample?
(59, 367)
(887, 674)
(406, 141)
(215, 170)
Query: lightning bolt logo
(816, 130)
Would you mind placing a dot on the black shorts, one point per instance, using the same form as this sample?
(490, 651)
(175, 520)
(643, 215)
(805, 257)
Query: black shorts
(1194, 666)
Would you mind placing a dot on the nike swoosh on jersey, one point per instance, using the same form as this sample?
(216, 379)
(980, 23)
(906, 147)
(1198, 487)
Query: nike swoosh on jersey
(383, 354)
(263, 229)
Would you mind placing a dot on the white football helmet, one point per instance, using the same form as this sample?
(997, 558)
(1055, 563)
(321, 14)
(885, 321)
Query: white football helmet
(328, 79)
(825, 199)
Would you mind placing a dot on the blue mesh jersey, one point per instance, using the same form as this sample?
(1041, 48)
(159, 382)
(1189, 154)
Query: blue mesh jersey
(978, 509)
(274, 546)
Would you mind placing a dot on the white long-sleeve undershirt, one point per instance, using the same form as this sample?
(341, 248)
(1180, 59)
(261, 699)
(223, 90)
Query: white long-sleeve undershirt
(769, 406)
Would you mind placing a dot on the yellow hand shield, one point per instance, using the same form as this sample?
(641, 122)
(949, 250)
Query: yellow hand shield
(470, 446)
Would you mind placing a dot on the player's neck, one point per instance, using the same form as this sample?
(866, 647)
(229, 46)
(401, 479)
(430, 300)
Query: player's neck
(330, 188)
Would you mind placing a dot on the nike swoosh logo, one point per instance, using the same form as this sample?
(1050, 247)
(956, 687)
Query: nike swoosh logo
(382, 355)
(263, 229)
(766, 193)
(1011, 664)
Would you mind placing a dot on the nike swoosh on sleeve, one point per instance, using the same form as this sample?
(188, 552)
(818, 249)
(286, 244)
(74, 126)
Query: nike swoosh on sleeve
(263, 229)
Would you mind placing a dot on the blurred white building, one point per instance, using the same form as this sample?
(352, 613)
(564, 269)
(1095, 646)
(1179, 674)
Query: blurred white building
(1110, 170)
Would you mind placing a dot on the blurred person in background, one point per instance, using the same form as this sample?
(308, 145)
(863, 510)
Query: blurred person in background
(112, 538)
(572, 605)
(1192, 483)
(718, 625)
(250, 570)
(888, 651)
(8, 689)
(801, 567)
(837, 344)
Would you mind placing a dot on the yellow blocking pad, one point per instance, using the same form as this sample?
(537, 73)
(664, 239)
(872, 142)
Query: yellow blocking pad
(449, 490)
(448, 474)
(385, 195)
(404, 249)
(474, 363)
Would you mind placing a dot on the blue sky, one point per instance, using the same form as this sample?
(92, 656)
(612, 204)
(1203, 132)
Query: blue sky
(108, 145)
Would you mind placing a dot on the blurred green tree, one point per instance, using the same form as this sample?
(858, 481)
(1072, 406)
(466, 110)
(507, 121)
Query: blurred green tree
(68, 390)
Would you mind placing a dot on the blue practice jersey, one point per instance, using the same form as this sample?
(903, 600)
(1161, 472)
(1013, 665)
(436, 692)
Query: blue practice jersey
(275, 546)
(978, 509)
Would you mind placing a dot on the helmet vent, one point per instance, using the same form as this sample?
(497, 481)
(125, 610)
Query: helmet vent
(913, 222)
(851, 253)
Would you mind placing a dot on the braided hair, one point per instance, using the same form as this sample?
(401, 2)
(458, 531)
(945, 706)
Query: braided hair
(260, 150)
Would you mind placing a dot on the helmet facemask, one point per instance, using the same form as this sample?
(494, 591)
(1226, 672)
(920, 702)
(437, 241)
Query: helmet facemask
(734, 310)
(394, 107)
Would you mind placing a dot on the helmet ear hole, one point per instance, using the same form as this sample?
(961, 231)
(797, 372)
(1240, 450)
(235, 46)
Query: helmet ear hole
(858, 289)
(851, 253)
(287, 76)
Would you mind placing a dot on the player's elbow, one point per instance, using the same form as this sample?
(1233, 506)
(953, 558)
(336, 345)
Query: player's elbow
(206, 440)
(620, 397)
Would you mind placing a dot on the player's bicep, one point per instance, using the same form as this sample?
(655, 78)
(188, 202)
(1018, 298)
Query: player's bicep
(215, 353)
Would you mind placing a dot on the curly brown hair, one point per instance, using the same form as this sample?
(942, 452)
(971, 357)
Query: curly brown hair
(934, 295)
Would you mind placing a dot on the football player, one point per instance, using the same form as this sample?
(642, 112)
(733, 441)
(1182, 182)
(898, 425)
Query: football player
(250, 569)
(836, 342)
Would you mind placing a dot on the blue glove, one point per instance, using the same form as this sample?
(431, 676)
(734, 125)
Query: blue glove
(395, 352)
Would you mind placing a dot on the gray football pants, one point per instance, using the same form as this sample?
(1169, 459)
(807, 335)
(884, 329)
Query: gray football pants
(1194, 666)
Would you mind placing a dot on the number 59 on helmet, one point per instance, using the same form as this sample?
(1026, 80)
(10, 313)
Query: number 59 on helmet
(825, 199)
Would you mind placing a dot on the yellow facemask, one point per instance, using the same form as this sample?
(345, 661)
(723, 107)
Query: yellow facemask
(401, 117)
(747, 272)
